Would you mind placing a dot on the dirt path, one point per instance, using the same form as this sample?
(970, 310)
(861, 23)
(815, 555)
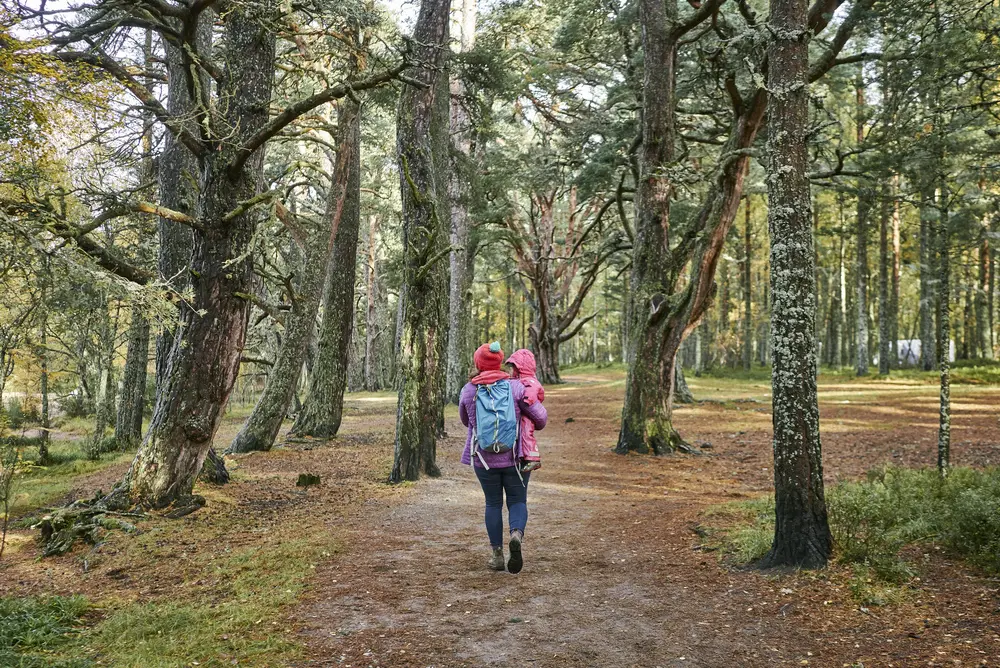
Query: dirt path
(615, 574)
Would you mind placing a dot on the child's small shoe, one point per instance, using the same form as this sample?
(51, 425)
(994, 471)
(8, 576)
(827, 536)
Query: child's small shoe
(528, 467)
(496, 561)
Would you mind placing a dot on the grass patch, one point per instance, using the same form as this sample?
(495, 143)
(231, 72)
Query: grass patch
(238, 619)
(31, 629)
(43, 485)
(872, 520)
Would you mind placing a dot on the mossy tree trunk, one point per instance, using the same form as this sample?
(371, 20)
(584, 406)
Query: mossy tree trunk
(421, 137)
(802, 536)
(205, 356)
(323, 408)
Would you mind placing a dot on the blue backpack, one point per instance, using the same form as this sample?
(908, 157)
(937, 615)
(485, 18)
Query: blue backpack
(496, 422)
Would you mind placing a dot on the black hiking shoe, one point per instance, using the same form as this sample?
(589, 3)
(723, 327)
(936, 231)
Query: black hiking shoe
(515, 562)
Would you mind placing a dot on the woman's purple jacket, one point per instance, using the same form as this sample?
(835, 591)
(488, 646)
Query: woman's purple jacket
(467, 413)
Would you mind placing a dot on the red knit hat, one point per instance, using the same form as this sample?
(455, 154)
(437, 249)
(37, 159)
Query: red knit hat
(488, 357)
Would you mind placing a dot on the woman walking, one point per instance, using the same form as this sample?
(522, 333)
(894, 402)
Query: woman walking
(502, 400)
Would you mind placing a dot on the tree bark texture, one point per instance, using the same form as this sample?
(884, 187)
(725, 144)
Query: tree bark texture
(371, 295)
(943, 238)
(423, 314)
(462, 256)
(205, 357)
(884, 309)
(928, 249)
(128, 420)
(982, 317)
(324, 405)
(862, 356)
(747, 292)
(177, 181)
(802, 536)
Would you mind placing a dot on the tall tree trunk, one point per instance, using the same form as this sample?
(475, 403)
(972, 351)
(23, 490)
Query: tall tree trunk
(43, 354)
(128, 420)
(884, 310)
(461, 257)
(324, 406)
(421, 132)
(371, 296)
(894, 294)
(944, 333)
(982, 319)
(177, 179)
(928, 249)
(747, 292)
(205, 357)
(802, 536)
(646, 421)
(322, 418)
(862, 355)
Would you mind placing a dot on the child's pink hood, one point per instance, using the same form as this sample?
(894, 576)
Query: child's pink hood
(524, 361)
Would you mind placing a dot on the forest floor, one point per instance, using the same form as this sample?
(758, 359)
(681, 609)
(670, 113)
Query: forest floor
(617, 571)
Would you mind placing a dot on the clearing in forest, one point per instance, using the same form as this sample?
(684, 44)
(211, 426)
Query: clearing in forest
(620, 568)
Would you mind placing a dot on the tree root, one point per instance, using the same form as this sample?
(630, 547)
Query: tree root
(214, 471)
(90, 520)
(81, 520)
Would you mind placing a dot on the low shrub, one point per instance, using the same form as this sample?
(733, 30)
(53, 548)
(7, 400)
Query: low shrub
(874, 519)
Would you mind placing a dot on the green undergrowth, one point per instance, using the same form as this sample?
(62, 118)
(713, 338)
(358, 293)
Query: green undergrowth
(237, 620)
(874, 519)
(33, 630)
(39, 486)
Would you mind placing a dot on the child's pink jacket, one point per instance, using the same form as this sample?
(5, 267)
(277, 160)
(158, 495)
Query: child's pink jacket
(533, 392)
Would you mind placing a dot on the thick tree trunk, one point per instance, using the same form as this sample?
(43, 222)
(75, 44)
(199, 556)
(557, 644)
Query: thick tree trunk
(177, 180)
(545, 344)
(646, 424)
(421, 132)
(884, 309)
(802, 536)
(204, 360)
(128, 420)
(944, 333)
(323, 409)
(928, 339)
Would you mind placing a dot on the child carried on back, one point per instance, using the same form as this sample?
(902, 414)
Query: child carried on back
(522, 363)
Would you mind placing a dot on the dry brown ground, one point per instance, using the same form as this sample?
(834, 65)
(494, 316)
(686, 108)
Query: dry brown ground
(614, 574)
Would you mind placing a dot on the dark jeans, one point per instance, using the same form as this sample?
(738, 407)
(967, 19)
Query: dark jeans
(495, 482)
